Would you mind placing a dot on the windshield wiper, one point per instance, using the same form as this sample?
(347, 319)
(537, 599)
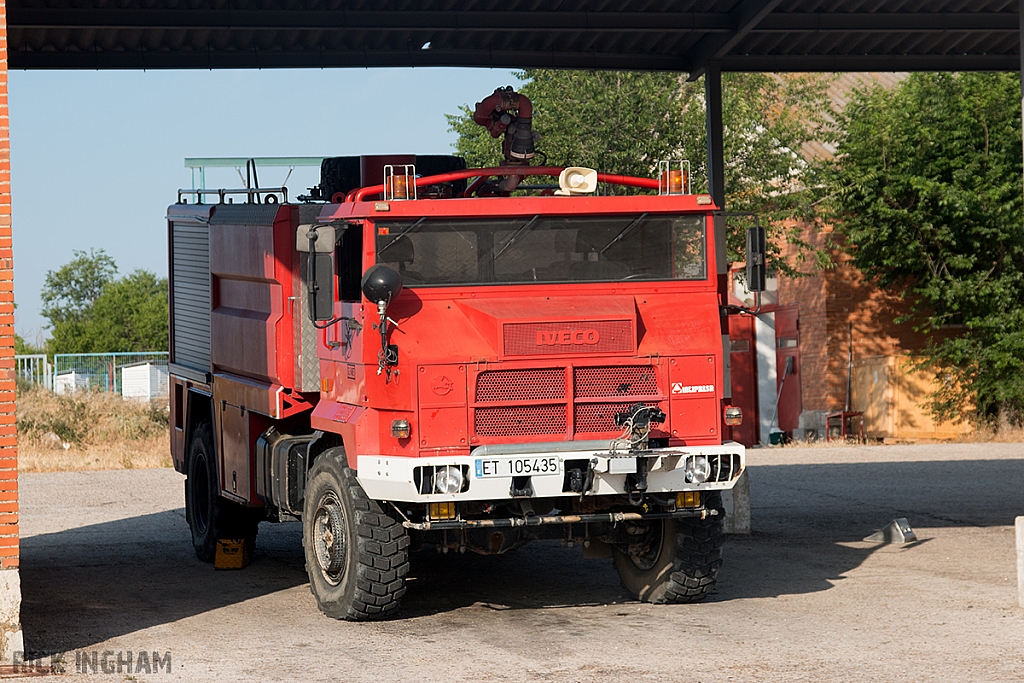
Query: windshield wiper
(625, 231)
(523, 228)
(400, 236)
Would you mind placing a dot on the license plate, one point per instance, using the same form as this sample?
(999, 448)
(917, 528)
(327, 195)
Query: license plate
(518, 467)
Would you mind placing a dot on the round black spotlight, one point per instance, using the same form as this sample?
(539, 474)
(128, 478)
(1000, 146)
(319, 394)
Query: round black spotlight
(381, 284)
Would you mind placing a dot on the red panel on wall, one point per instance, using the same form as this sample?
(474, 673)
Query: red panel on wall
(743, 370)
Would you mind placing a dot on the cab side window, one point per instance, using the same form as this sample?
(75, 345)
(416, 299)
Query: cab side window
(349, 257)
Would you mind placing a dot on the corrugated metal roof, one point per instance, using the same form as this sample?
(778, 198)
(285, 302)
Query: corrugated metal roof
(685, 35)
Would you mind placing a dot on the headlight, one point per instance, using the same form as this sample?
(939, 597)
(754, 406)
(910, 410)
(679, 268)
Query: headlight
(698, 469)
(733, 416)
(400, 429)
(448, 479)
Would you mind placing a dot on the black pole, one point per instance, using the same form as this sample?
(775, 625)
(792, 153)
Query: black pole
(1020, 48)
(716, 164)
(716, 187)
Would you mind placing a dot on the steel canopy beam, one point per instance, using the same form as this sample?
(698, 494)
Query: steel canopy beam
(885, 22)
(511, 59)
(297, 59)
(747, 15)
(320, 20)
(925, 62)
(41, 18)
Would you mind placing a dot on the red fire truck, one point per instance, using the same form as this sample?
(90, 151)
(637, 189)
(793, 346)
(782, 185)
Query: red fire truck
(463, 359)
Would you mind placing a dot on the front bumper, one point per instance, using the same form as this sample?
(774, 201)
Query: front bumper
(397, 479)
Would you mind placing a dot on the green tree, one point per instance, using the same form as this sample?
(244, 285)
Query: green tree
(927, 189)
(69, 292)
(624, 122)
(91, 311)
(130, 314)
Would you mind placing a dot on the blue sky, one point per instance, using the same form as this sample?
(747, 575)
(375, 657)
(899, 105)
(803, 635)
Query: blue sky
(97, 156)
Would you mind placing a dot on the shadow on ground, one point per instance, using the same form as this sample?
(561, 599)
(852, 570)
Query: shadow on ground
(89, 584)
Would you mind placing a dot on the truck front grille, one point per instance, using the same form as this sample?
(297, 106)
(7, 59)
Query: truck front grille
(520, 420)
(565, 401)
(499, 386)
(622, 380)
(598, 418)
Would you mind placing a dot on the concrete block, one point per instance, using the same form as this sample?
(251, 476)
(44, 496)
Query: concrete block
(11, 640)
(896, 531)
(737, 506)
(1019, 523)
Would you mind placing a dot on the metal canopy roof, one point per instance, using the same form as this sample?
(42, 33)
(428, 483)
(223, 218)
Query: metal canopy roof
(677, 35)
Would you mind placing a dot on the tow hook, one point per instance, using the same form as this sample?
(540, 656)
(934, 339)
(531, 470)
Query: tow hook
(637, 483)
(582, 482)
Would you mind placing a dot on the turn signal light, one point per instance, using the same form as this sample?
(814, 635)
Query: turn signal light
(733, 416)
(688, 499)
(441, 510)
(400, 429)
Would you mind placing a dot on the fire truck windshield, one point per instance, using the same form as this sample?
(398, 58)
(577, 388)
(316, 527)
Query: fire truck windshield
(442, 251)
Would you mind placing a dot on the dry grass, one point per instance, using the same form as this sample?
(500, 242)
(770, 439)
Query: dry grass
(1004, 433)
(89, 431)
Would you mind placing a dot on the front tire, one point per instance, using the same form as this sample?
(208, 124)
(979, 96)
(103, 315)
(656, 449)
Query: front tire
(210, 516)
(674, 560)
(357, 555)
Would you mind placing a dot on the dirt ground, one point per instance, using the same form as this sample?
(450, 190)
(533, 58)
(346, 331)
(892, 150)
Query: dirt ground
(107, 566)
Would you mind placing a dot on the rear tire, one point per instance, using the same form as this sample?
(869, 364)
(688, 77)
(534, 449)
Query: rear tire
(357, 555)
(210, 516)
(675, 560)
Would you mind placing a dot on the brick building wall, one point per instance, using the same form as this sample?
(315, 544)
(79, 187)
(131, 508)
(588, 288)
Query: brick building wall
(10, 587)
(830, 303)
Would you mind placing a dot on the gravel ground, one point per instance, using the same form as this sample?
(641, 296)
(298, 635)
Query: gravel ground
(107, 566)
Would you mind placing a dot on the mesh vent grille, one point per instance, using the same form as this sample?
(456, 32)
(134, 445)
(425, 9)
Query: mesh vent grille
(519, 421)
(496, 386)
(596, 395)
(599, 418)
(608, 382)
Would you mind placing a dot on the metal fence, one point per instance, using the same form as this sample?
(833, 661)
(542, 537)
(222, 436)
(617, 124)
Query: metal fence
(97, 371)
(34, 369)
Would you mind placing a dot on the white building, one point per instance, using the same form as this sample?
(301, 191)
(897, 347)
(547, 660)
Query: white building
(145, 381)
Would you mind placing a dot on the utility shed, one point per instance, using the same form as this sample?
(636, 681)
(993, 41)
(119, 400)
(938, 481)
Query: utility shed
(70, 382)
(144, 381)
(894, 400)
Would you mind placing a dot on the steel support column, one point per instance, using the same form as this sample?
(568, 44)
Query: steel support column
(716, 187)
(1021, 50)
(716, 163)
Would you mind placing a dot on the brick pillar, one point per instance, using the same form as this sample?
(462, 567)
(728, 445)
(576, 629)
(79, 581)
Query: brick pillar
(10, 584)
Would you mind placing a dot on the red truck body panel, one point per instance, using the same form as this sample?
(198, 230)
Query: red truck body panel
(549, 338)
(478, 364)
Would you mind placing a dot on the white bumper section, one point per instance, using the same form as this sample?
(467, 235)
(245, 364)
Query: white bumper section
(393, 478)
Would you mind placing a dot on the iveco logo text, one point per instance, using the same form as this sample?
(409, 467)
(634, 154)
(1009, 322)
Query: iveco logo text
(679, 388)
(567, 337)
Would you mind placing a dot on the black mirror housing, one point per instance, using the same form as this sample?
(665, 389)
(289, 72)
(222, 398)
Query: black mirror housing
(319, 282)
(757, 259)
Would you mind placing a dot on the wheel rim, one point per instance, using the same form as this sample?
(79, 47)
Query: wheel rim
(645, 548)
(201, 494)
(329, 545)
